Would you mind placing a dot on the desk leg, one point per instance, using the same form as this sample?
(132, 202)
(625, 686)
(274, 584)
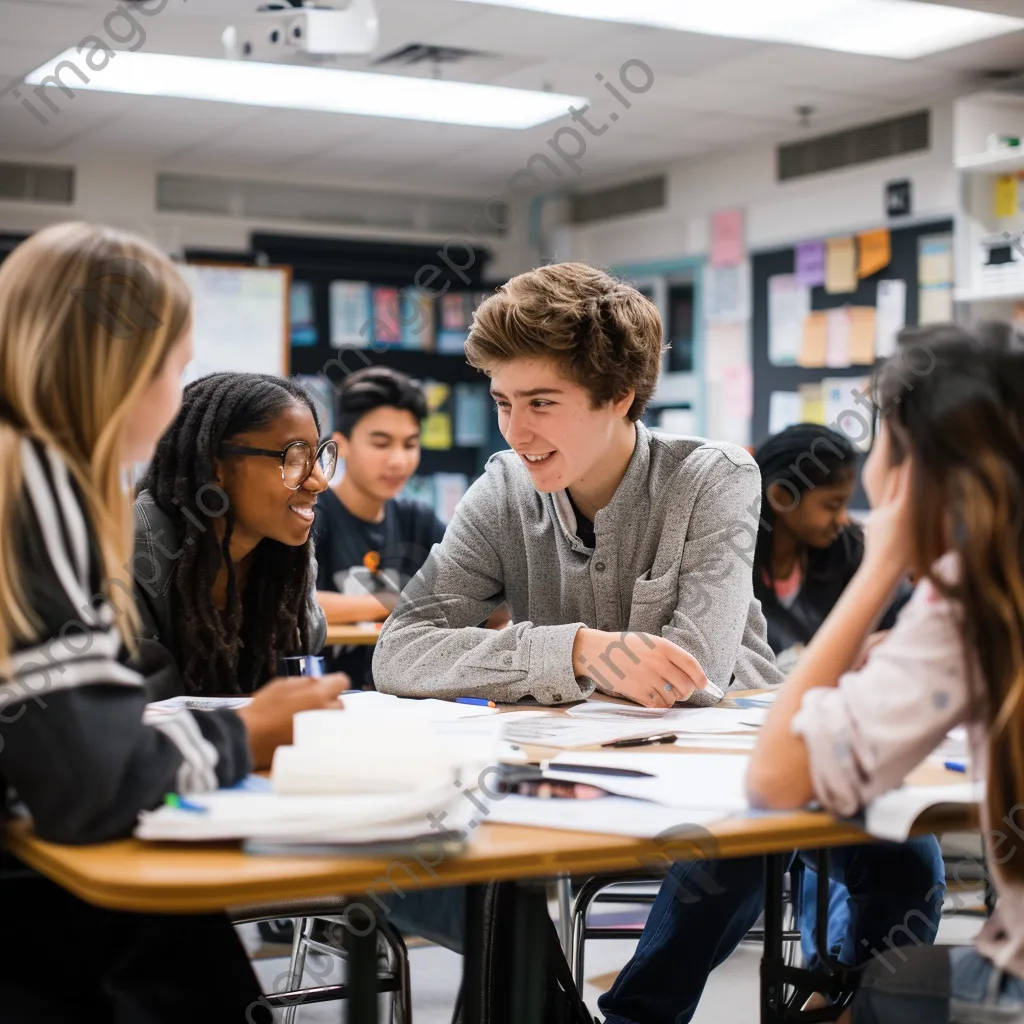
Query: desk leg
(772, 963)
(360, 941)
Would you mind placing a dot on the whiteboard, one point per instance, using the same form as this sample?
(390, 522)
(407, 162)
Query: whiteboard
(240, 318)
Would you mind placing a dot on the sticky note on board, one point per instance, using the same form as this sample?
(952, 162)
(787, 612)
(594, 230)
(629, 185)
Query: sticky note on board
(810, 263)
(814, 343)
(862, 335)
(874, 251)
(1005, 195)
(840, 266)
(812, 400)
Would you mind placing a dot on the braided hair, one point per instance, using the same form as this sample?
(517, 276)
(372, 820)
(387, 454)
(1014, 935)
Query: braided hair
(801, 458)
(236, 650)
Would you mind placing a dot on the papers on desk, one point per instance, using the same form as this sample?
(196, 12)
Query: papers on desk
(598, 722)
(710, 782)
(892, 815)
(612, 815)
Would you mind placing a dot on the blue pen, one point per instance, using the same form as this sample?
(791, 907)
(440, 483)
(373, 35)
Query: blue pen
(956, 766)
(480, 701)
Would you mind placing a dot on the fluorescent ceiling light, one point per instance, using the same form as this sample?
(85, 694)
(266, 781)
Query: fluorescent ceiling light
(878, 28)
(303, 88)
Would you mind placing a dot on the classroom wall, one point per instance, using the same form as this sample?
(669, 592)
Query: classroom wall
(115, 191)
(776, 213)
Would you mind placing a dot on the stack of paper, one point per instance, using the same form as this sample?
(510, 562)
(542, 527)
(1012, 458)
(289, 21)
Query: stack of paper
(351, 776)
(232, 814)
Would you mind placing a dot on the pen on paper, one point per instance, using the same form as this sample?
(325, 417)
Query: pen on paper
(644, 741)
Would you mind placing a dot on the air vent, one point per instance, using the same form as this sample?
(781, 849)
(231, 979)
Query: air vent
(861, 145)
(37, 183)
(633, 197)
(427, 53)
(261, 200)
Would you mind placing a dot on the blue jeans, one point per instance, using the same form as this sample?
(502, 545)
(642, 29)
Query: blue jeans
(944, 985)
(704, 909)
(843, 942)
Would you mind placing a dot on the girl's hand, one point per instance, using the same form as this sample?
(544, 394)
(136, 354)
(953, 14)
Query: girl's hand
(268, 716)
(888, 532)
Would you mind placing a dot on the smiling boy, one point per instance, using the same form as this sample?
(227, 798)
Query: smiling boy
(612, 546)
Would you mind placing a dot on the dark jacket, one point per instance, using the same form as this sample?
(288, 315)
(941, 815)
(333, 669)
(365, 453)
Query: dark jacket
(827, 574)
(157, 550)
(73, 744)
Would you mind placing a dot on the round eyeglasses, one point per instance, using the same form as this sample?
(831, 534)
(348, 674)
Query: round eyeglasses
(298, 460)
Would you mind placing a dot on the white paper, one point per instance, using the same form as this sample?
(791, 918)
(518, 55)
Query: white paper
(789, 302)
(198, 703)
(784, 409)
(892, 816)
(564, 732)
(726, 292)
(845, 413)
(935, 304)
(239, 319)
(890, 315)
(610, 815)
(713, 782)
(837, 351)
(696, 720)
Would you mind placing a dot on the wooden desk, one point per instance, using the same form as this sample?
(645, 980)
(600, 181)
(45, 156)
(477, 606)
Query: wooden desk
(192, 878)
(352, 634)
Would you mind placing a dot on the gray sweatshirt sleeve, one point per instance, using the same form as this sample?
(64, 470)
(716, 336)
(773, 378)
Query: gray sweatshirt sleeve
(432, 644)
(717, 618)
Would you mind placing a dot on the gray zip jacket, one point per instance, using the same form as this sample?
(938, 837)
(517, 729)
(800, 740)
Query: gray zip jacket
(673, 557)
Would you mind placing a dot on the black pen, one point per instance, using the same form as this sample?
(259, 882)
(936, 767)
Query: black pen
(644, 741)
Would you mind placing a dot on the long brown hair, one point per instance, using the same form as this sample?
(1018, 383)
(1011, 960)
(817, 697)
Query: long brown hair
(956, 406)
(87, 316)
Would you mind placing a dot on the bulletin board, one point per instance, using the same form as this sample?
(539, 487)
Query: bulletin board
(769, 377)
(240, 317)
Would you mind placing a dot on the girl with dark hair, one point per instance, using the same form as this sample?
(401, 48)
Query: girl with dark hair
(224, 564)
(946, 481)
(807, 549)
(807, 552)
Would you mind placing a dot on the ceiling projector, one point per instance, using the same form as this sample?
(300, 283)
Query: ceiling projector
(286, 33)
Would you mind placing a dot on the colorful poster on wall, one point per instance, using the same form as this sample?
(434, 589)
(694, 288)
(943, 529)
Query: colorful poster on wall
(417, 320)
(351, 314)
(303, 314)
(387, 326)
(727, 238)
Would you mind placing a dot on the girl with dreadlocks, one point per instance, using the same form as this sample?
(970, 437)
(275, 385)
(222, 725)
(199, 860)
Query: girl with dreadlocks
(224, 562)
(94, 336)
(946, 482)
(807, 552)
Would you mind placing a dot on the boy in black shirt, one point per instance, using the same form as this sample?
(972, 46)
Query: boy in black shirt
(370, 543)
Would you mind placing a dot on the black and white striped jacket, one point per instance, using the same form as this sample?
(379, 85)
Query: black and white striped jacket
(73, 746)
